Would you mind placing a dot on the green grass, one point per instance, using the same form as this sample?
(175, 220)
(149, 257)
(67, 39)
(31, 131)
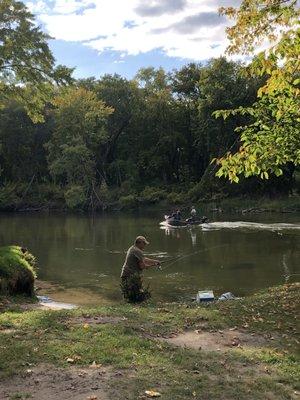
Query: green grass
(16, 271)
(177, 373)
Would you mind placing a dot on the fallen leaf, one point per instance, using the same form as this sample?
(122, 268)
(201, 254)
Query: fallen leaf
(236, 342)
(152, 393)
(95, 365)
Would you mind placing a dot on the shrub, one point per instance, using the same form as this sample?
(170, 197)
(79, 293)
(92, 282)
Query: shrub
(129, 201)
(75, 197)
(9, 196)
(152, 195)
(50, 192)
(16, 271)
(176, 198)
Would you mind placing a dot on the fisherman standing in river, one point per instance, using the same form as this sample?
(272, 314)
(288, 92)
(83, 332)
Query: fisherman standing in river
(131, 279)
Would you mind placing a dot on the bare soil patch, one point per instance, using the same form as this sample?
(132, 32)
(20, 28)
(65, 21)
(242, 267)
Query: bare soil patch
(217, 341)
(97, 320)
(46, 382)
(52, 305)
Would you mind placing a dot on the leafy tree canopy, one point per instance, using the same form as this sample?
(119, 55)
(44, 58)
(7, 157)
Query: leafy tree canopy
(272, 138)
(27, 66)
(80, 127)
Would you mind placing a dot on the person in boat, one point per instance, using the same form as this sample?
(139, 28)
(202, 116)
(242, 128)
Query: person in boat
(172, 215)
(131, 275)
(193, 213)
(178, 215)
(193, 216)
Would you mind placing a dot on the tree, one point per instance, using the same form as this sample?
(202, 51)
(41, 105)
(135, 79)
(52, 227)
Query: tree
(160, 120)
(222, 85)
(27, 66)
(272, 138)
(22, 155)
(81, 121)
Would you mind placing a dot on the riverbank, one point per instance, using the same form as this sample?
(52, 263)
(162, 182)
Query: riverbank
(242, 349)
(47, 198)
(237, 205)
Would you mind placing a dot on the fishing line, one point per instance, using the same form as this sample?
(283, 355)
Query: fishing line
(189, 255)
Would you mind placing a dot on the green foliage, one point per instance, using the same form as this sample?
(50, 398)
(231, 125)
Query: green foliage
(22, 154)
(129, 142)
(103, 194)
(27, 66)
(79, 131)
(272, 138)
(176, 198)
(152, 195)
(130, 201)
(48, 193)
(197, 192)
(16, 271)
(75, 197)
(8, 196)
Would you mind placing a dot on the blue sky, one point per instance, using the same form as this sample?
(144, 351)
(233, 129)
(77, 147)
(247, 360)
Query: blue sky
(90, 62)
(122, 36)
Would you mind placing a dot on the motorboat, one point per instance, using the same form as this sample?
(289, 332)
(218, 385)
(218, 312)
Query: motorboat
(181, 223)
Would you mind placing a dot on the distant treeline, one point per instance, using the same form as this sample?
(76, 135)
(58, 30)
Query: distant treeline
(116, 142)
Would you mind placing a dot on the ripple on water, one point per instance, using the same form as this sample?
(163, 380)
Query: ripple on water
(249, 225)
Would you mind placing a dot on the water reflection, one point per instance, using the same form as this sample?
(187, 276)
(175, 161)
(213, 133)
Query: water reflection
(193, 236)
(175, 232)
(171, 231)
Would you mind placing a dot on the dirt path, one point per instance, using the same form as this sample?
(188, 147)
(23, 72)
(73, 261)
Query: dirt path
(46, 382)
(217, 341)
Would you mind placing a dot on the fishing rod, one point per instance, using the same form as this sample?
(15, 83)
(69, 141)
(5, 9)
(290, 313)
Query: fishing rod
(172, 261)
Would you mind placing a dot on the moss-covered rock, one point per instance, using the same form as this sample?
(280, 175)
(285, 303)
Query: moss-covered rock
(17, 273)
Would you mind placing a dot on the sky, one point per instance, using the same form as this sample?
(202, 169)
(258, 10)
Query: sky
(122, 36)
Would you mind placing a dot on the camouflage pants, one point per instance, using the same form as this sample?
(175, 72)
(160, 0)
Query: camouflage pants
(132, 289)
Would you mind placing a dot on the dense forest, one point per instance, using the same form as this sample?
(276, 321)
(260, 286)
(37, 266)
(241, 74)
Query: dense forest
(115, 140)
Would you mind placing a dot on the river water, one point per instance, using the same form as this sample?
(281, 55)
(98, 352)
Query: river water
(81, 256)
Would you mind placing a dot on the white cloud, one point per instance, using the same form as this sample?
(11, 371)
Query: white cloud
(37, 7)
(70, 6)
(180, 28)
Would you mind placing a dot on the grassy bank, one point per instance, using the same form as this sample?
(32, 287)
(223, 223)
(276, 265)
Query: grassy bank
(133, 343)
(16, 271)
